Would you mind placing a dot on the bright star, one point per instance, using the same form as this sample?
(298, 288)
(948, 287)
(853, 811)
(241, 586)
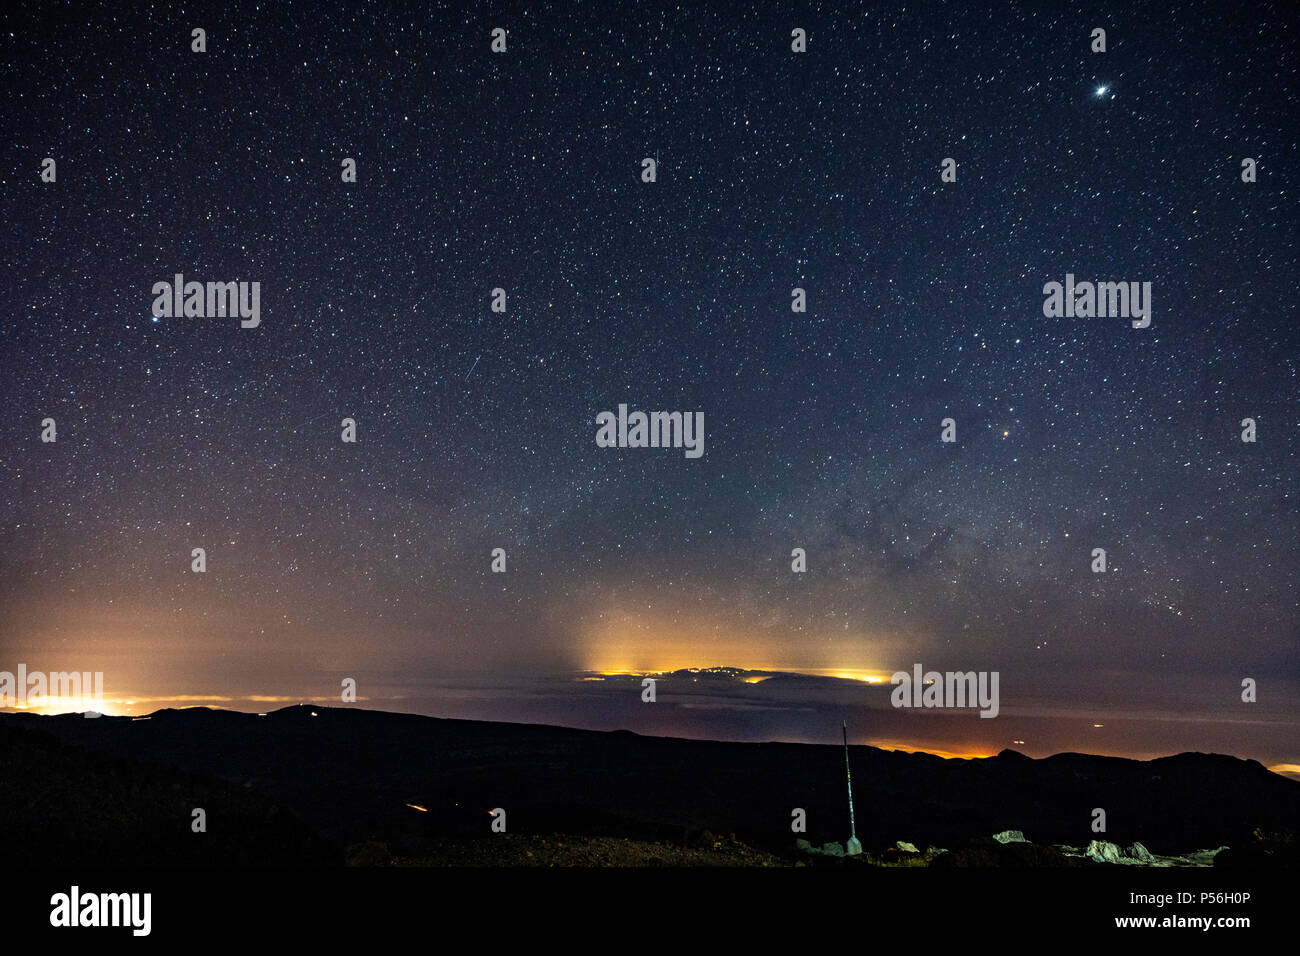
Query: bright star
(1101, 90)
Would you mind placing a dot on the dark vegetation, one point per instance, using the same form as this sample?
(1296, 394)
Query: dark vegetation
(292, 788)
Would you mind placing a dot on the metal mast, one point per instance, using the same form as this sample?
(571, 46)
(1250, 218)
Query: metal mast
(848, 777)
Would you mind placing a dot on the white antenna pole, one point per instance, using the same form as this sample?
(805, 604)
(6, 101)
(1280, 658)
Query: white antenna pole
(853, 847)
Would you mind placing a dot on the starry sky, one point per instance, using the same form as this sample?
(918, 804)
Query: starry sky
(476, 429)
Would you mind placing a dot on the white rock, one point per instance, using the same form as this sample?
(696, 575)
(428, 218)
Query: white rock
(1103, 851)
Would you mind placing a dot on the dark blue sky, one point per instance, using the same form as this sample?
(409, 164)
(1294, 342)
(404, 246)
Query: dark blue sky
(476, 429)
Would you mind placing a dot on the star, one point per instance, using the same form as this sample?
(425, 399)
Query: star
(620, 291)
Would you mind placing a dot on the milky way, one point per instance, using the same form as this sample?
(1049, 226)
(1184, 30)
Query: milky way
(476, 429)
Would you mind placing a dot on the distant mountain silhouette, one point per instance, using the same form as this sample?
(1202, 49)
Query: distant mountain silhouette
(302, 783)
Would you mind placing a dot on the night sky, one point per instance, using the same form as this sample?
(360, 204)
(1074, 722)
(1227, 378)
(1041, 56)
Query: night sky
(476, 429)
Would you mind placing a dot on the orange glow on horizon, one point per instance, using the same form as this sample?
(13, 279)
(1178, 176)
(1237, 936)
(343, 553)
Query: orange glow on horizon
(132, 706)
(760, 674)
(913, 749)
(51, 706)
(866, 677)
(634, 631)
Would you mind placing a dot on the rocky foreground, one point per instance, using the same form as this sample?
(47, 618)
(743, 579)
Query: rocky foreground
(1011, 848)
(1007, 849)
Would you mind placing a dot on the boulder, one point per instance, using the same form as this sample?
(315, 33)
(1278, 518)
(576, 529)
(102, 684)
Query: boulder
(1103, 851)
(1010, 836)
(1138, 852)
